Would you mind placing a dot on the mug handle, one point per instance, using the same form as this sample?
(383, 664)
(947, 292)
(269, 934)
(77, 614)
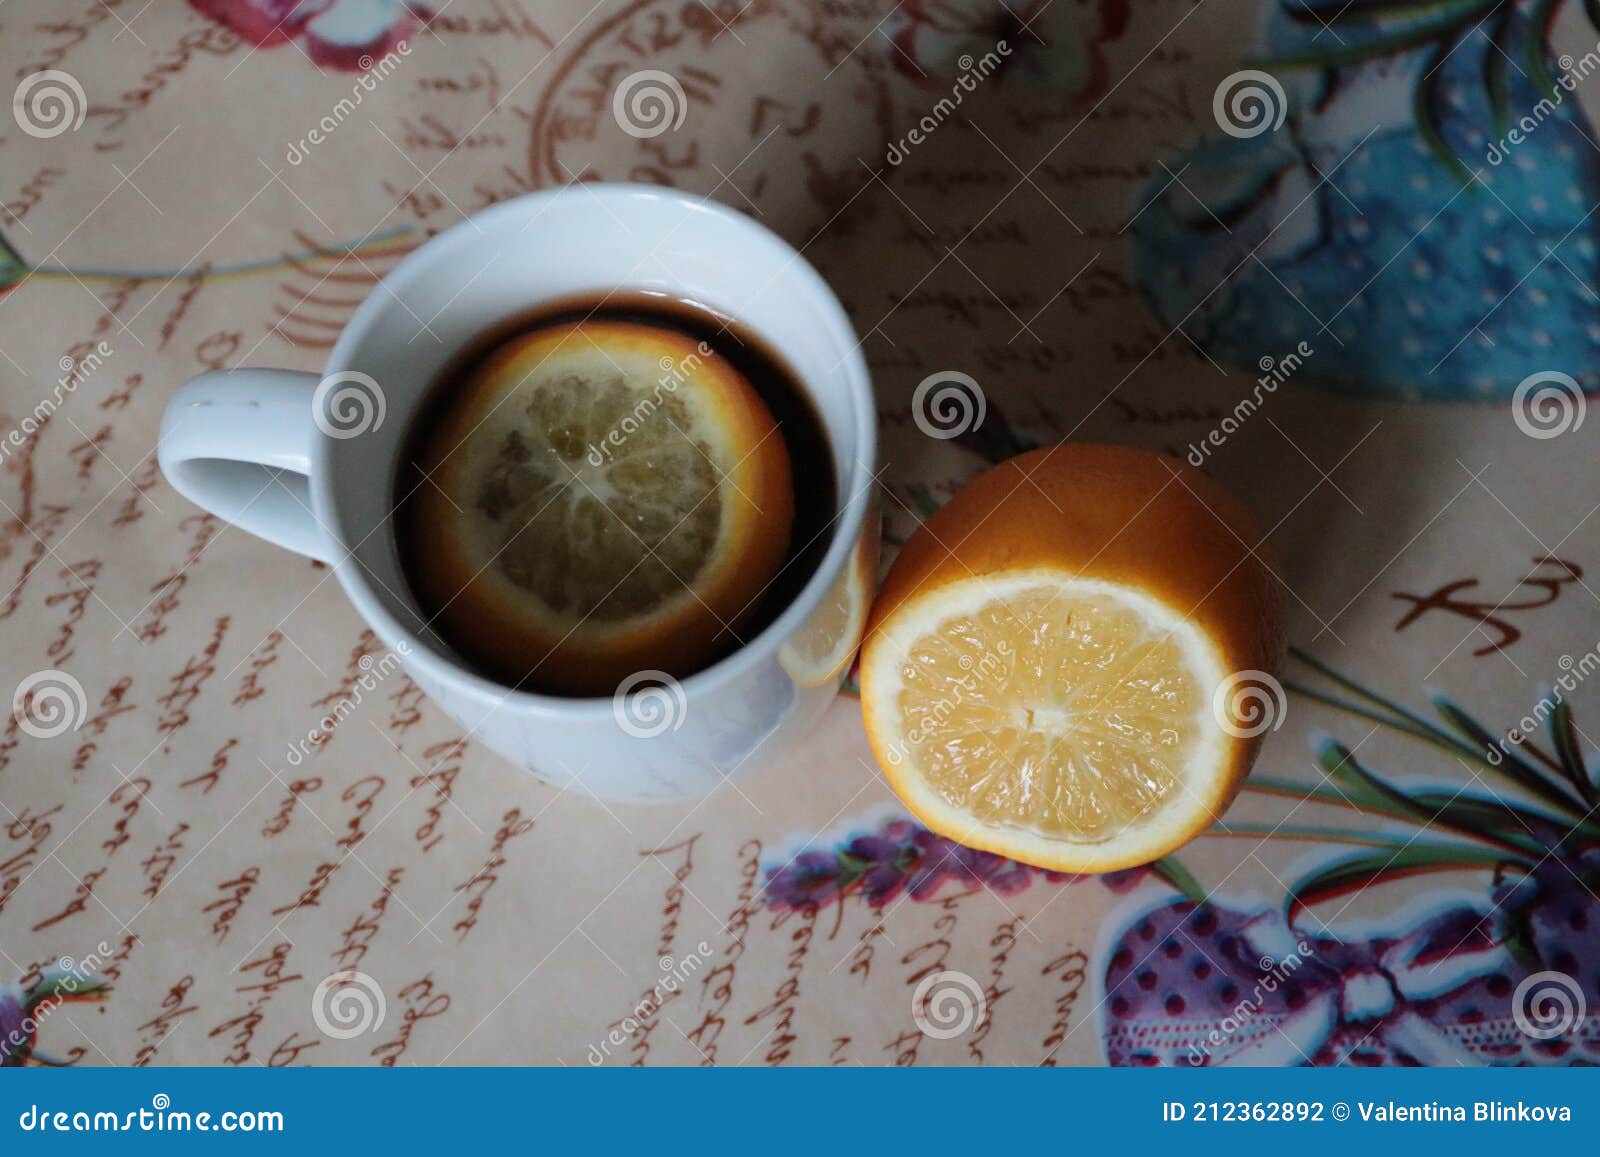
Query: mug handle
(238, 444)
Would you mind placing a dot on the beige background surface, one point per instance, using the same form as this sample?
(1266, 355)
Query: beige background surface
(503, 919)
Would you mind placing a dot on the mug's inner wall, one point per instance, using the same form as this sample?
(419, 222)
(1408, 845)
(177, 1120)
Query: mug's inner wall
(519, 256)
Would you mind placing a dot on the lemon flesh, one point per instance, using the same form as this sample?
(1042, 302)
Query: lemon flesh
(1031, 713)
(588, 528)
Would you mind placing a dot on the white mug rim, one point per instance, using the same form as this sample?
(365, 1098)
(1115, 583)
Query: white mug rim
(847, 523)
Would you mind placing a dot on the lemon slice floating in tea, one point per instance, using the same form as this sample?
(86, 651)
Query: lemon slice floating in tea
(1042, 673)
(604, 497)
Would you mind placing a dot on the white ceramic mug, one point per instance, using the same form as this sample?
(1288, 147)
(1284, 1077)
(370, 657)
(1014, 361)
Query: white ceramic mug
(310, 462)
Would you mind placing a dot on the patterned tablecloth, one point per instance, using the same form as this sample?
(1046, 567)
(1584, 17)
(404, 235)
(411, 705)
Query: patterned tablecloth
(1343, 257)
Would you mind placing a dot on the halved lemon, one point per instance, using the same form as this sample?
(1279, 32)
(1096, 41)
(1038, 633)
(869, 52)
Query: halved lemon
(819, 652)
(1040, 673)
(603, 498)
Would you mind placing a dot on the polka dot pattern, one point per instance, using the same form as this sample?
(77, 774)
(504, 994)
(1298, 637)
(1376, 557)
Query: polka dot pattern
(1404, 283)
